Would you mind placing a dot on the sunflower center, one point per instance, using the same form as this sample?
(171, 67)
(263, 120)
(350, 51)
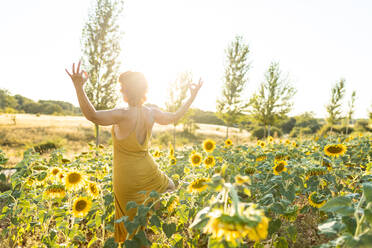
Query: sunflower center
(55, 172)
(199, 184)
(74, 178)
(81, 205)
(334, 149)
(280, 167)
(208, 146)
(93, 189)
(209, 161)
(196, 159)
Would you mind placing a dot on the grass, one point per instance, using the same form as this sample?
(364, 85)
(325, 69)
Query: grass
(19, 132)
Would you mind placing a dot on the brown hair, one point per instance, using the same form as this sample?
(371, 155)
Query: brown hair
(135, 87)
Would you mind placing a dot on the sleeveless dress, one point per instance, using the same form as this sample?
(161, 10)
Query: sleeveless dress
(134, 170)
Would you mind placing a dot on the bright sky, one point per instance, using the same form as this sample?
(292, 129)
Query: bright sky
(316, 42)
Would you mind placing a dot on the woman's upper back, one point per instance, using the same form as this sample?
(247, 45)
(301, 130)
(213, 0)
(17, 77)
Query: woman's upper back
(136, 127)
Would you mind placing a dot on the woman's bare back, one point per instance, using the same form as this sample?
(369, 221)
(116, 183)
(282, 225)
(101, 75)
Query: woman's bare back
(140, 120)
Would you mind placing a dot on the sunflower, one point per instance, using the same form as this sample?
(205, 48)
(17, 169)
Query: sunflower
(270, 139)
(196, 159)
(261, 143)
(242, 179)
(156, 154)
(280, 167)
(81, 207)
(55, 191)
(209, 161)
(250, 170)
(209, 145)
(93, 189)
(172, 161)
(294, 144)
(186, 170)
(198, 185)
(235, 226)
(54, 171)
(228, 142)
(173, 204)
(287, 142)
(335, 150)
(74, 180)
(261, 157)
(316, 200)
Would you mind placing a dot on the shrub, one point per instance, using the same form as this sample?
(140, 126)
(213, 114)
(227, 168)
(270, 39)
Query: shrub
(260, 132)
(300, 131)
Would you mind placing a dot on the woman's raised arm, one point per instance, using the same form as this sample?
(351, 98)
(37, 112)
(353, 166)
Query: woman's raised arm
(102, 117)
(165, 118)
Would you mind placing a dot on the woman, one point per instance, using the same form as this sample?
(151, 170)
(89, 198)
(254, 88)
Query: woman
(134, 169)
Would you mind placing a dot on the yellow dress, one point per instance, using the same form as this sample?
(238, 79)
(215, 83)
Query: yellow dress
(134, 170)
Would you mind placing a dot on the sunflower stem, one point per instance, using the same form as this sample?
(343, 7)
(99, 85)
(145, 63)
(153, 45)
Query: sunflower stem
(356, 215)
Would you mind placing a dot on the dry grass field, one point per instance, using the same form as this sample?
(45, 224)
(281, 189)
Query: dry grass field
(73, 133)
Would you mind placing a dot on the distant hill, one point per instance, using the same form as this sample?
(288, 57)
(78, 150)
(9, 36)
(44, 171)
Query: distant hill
(21, 104)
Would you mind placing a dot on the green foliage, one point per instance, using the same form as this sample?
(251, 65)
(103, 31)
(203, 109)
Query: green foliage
(231, 103)
(21, 104)
(260, 132)
(288, 125)
(273, 100)
(334, 106)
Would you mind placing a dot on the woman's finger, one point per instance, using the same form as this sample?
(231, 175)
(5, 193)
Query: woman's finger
(68, 72)
(73, 68)
(78, 67)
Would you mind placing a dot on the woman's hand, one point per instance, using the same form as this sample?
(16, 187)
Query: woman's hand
(194, 88)
(77, 77)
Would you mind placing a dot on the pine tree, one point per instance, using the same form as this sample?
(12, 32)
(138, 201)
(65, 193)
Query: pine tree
(231, 104)
(101, 38)
(273, 100)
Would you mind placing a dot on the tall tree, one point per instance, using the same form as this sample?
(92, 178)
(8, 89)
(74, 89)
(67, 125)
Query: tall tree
(273, 100)
(334, 106)
(101, 38)
(350, 112)
(177, 93)
(231, 104)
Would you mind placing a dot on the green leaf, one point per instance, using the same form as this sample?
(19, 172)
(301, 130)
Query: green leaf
(274, 226)
(131, 204)
(154, 194)
(169, 229)
(331, 227)
(155, 221)
(132, 243)
(131, 226)
(367, 189)
(141, 238)
(350, 224)
(281, 242)
(337, 204)
(92, 241)
(292, 231)
(368, 214)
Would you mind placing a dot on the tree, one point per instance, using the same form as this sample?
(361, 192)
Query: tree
(101, 49)
(273, 100)
(334, 106)
(350, 113)
(177, 93)
(231, 105)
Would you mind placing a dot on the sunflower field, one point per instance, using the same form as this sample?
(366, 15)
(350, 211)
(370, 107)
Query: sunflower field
(276, 193)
